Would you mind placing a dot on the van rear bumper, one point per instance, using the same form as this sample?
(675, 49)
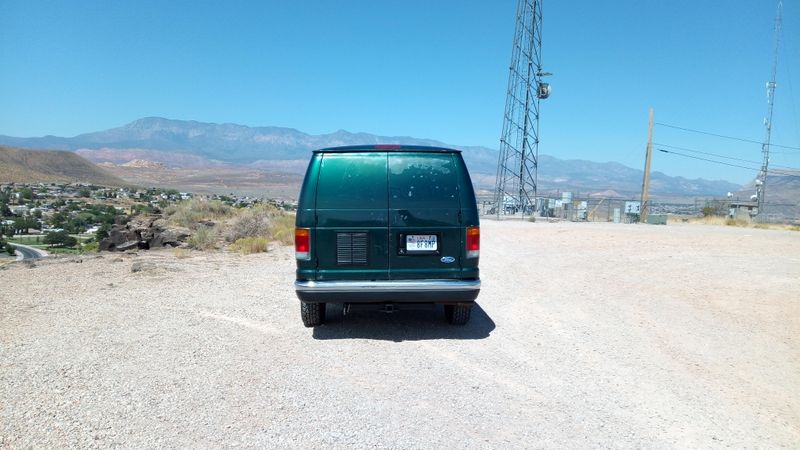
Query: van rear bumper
(400, 291)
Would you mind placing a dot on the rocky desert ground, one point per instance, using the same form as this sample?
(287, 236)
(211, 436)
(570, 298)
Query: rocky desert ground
(585, 336)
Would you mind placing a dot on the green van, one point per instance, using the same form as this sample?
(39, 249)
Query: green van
(387, 226)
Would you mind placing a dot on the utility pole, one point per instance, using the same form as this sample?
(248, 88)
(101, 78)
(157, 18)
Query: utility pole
(645, 206)
(761, 181)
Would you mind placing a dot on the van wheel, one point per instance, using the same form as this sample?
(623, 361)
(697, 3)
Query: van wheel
(457, 314)
(313, 314)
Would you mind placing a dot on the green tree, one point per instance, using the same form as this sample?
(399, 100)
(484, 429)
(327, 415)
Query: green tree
(26, 193)
(60, 239)
(7, 230)
(102, 232)
(5, 195)
(20, 225)
(57, 220)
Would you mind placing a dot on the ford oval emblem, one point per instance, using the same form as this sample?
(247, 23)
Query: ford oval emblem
(448, 259)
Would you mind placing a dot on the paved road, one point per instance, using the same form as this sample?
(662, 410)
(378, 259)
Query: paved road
(27, 252)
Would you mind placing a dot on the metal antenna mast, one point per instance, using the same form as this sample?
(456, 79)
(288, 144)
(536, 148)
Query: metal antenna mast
(761, 181)
(515, 188)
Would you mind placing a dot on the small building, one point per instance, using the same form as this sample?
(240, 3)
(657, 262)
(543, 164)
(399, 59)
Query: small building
(18, 210)
(742, 209)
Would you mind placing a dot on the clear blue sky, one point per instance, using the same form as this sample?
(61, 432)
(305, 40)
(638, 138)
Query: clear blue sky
(428, 69)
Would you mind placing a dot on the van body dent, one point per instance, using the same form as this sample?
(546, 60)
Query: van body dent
(387, 225)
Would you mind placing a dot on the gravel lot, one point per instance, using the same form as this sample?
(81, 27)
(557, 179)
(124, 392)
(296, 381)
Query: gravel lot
(586, 335)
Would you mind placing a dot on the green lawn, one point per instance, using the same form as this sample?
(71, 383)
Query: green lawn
(31, 240)
(27, 240)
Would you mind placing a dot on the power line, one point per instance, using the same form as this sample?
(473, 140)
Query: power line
(709, 154)
(724, 136)
(773, 172)
(720, 156)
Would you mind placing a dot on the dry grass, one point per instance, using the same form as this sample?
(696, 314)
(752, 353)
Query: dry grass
(709, 220)
(213, 221)
(250, 245)
(204, 238)
(190, 213)
(283, 229)
(742, 223)
(739, 223)
(91, 247)
(252, 222)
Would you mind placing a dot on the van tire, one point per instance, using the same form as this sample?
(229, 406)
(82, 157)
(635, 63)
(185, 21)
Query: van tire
(313, 314)
(457, 314)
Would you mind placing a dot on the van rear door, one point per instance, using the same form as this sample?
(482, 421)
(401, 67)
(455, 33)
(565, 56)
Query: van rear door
(425, 238)
(352, 219)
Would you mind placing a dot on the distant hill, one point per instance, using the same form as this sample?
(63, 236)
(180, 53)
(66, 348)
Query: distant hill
(191, 144)
(42, 166)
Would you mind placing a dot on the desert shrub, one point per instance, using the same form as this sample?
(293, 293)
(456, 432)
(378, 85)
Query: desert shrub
(91, 247)
(283, 229)
(708, 211)
(736, 223)
(252, 222)
(203, 238)
(794, 228)
(709, 220)
(252, 244)
(189, 212)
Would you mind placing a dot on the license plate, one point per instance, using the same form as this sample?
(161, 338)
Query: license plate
(421, 243)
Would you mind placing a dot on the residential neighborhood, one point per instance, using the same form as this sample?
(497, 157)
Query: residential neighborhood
(75, 217)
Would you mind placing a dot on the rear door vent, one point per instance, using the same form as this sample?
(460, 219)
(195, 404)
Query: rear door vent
(351, 249)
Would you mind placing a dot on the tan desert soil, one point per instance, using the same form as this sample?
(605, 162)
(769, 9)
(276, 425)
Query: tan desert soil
(585, 336)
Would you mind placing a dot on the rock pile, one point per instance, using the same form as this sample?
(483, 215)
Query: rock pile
(143, 232)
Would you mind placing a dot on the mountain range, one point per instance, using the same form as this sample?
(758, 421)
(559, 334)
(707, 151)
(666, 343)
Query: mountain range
(199, 145)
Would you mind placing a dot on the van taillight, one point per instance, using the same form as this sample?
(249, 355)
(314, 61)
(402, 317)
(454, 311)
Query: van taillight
(302, 243)
(473, 242)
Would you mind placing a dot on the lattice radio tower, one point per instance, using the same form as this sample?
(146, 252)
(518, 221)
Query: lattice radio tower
(515, 188)
(761, 180)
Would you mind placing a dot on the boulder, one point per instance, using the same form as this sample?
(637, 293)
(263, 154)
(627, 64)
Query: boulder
(128, 245)
(172, 237)
(141, 223)
(143, 232)
(118, 235)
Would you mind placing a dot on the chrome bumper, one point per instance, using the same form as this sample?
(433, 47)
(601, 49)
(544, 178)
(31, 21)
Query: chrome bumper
(387, 286)
(399, 291)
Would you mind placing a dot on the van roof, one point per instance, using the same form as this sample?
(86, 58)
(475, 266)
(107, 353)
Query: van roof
(387, 148)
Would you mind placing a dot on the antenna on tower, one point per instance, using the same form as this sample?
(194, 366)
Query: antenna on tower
(761, 181)
(515, 186)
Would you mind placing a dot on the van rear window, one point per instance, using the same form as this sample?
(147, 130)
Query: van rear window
(422, 180)
(352, 181)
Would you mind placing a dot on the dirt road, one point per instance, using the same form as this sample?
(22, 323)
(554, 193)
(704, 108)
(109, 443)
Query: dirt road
(586, 335)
